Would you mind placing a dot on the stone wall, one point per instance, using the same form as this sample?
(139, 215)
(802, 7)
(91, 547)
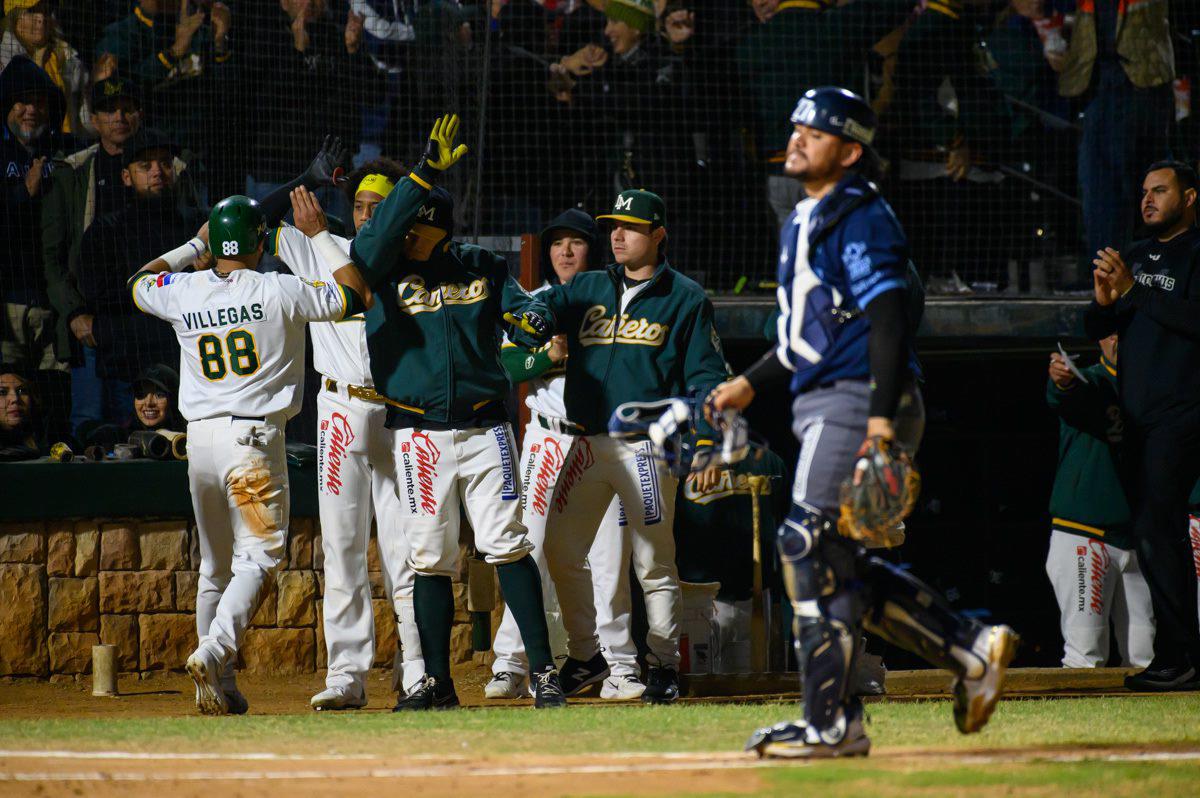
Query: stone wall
(68, 585)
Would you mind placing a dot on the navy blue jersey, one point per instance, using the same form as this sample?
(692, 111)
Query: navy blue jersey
(859, 253)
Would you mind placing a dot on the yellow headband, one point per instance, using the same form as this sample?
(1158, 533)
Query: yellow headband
(377, 183)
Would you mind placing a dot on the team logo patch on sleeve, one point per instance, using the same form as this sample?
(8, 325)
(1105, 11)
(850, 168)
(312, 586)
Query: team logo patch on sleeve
(314, 283)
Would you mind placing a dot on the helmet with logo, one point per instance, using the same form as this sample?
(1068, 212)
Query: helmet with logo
(236, 226)
(837, 111)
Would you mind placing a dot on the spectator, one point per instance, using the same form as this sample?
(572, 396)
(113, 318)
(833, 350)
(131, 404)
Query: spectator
(1091, 564)
(84, 186)
(324, 79)
(156, 219)
(184, 72)
(31, 29)
(536, 42)
(19, 433)
(1150, 295)
(1028, 48)
(944, 116)
(1120, 63)
(796, 47)
(32, 109)
(389, 31)
(155, 397)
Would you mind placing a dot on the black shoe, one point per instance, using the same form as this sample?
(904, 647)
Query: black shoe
(1164, 679)
(429, 693)
(575, 674)
(662, 687)
(547, 691)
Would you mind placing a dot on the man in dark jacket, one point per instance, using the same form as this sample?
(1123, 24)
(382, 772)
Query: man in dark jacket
(1149, 294)
(85, 185)
(31, 108)
(154, 221)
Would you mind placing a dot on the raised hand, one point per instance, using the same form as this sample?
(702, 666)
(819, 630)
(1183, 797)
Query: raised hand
(440, 152)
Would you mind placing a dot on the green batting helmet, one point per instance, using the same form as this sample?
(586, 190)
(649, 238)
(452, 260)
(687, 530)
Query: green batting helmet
(236, 226)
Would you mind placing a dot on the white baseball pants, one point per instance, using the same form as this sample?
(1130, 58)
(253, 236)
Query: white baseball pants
(599, 469)
(357, 482)
(544, 457)
(1094, 582)
(237, 472)
(439, 472)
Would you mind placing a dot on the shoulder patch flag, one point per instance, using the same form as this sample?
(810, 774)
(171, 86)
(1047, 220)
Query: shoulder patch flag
(164, 279)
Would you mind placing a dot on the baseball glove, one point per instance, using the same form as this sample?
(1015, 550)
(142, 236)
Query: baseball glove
(879, 493)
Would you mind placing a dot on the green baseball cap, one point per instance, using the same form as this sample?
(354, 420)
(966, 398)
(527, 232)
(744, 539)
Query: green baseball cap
(637, 14)
(639, 206)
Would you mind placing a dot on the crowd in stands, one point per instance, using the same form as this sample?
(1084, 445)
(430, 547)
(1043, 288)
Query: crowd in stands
(1013, 132)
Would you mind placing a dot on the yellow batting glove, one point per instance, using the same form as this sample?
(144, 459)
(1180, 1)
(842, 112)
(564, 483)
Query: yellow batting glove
(440, 153)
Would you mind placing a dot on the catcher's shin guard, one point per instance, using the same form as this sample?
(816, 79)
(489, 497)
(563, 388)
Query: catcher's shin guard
(826, 612)
(907, 612)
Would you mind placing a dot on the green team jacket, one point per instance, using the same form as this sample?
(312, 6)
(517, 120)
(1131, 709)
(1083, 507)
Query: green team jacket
(664, 344)
(714, 529)
(1088, 498)
(432, 333)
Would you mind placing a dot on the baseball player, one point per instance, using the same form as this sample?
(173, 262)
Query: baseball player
(845, 345)
(568, 244)
(356, 470)
(637, 330)
(241, 333)
(435, 356)
(1091, 563)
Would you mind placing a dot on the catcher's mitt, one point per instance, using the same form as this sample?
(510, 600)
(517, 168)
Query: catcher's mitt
(879, 493)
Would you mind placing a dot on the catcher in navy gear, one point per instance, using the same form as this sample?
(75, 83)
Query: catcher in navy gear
(845, 345)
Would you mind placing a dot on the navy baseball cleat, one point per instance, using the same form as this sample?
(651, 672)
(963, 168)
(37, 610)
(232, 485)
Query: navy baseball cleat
(429, 693)
(662, 687)
(575, 675)
(547, 691)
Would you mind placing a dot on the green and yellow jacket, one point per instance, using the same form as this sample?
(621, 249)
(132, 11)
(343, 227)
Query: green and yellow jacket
(1088, 497)
(1143, 44)
(663, 345)
(714, 529)
(433, 331)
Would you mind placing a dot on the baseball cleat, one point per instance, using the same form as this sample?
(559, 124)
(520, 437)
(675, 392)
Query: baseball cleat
(505, 684)
(975, 699)
(235, 702)
(622, 688)
(869, 677)
(429, 693)
(798, 740)
(575, 674)
(1163, 679)
(662, 687)
(339, 697)
(205, 670)
(547, 691)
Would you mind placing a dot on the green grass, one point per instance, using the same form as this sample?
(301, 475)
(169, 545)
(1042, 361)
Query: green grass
(1159, 721)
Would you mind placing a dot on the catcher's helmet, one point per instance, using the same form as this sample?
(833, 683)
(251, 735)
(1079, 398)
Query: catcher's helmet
(236, 226)
(837, 111)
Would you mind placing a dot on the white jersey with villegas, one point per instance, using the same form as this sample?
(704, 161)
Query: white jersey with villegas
(241, 336)
(340, 348)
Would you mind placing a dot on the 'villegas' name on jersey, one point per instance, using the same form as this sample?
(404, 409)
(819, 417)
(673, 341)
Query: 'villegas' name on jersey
(208, 318)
